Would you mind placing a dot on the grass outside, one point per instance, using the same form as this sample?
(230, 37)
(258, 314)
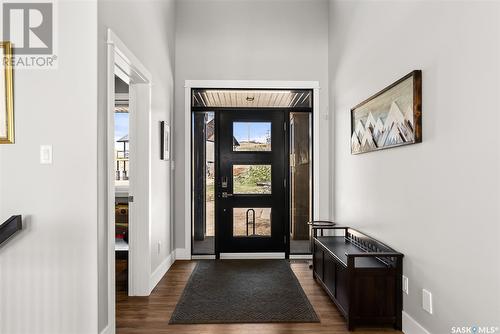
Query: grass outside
(210, 207)
(245, 188)
(252, 179)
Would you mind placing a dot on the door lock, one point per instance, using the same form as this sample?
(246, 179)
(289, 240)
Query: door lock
(225, 194)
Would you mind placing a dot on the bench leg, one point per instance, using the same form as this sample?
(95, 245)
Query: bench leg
(398, 325)
(350, 326)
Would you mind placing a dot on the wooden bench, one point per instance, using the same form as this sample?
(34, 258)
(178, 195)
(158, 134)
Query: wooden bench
(361, 275)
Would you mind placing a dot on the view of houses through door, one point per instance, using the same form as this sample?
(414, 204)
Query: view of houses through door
(122, 182)
(251, 171)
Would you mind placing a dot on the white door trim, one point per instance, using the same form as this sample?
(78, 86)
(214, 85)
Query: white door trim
(122, 62)
(249, 84)
(250, 256)
(301, 256)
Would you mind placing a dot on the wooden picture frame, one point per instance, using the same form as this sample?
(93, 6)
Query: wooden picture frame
(6, 96)
(390, 118)
(165, 141)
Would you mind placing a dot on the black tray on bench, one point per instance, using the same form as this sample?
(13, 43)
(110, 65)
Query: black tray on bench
(361, 275)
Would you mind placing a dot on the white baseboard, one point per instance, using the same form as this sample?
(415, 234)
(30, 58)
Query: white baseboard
(301, 257)
(244, 256)
(411, 326)
(182, 254)
(162, 269)
(106, 330)
(203, 257)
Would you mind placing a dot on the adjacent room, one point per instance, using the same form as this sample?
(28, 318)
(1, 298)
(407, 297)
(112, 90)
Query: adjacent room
(122, 182)
(244, 166)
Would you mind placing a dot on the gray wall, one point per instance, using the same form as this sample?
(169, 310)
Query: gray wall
(437, 202)
(120, 86)
(48, 272)
(249, 40)
(148, 29)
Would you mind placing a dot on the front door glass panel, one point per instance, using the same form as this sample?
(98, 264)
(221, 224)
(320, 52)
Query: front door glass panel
(251, 136)
(252, 222)
(252, 179)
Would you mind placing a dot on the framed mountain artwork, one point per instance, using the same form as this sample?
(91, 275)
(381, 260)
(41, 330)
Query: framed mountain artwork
(390, 118)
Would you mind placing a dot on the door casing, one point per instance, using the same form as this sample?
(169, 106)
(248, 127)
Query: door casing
(185, 252)
(123, 63)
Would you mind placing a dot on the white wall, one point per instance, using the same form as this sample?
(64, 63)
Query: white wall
(438, 201)
(148, 29)
(249, 40)
(48, 273)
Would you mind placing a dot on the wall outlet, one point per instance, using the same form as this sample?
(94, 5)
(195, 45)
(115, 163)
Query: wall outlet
(405, 284)
(159, 247)
(427, 301)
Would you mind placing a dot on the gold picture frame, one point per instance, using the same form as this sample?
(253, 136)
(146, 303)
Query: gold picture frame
(7, 96)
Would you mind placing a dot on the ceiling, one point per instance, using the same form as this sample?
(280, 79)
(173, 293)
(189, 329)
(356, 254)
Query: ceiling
(239, 98)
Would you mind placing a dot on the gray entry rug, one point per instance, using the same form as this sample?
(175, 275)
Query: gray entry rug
(243, 291)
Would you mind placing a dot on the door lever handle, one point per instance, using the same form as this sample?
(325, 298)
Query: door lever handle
(224, 182)
(226, 194)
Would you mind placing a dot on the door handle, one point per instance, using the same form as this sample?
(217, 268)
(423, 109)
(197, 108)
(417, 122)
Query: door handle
(225, 194)
(131, 199)
(224, 182)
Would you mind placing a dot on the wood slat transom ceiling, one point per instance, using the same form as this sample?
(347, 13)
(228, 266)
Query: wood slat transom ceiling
(238, 98)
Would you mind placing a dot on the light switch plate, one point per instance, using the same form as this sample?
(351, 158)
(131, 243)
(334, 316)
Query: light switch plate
(405, 284)
(46, 154)
(427, 300)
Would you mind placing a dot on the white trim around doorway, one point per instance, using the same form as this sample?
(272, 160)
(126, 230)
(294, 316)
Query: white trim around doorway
(123, 63)
(244, 84)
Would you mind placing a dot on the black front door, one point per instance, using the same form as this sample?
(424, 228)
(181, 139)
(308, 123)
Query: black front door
(251, 213)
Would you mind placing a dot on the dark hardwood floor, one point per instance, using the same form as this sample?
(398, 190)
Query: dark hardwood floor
(121, 276)
(151, 314)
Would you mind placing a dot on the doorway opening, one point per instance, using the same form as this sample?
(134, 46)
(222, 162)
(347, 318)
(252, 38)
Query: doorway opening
(122, 182)
(252, 171)
(127, 177)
